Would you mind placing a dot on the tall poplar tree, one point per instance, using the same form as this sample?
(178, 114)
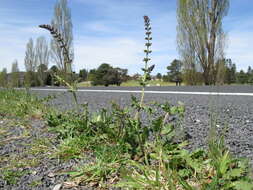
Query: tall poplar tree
(42, 58)
(15, 82)
(200, 37)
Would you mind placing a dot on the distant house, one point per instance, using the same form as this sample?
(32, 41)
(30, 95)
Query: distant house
(21, 77)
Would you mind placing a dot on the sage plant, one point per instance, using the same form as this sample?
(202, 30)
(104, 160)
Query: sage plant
(141, 131)
(147, 69)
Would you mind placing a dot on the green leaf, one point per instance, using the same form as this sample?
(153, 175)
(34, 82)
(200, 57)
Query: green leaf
(157, 124)
(237, 172)
(146, 59)
(224, 163)
(74, 173)
(167, 129)
(186, 185)
(151, 68)
(243, 185)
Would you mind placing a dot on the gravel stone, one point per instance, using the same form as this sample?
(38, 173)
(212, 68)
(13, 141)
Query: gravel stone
(57, 187)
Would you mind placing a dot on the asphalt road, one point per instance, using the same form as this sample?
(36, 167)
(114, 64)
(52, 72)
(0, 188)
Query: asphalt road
(234, 110)
(228, 89)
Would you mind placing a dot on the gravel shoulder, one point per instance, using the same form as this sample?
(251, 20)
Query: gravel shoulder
(26, 157)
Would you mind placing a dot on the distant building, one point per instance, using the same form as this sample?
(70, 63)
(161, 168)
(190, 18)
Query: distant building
(21, 77)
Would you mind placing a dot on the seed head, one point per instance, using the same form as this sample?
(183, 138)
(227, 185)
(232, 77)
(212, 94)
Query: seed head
(58, 37)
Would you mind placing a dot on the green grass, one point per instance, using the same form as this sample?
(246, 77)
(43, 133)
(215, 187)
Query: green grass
(84, 84)
(12, 176)
(20, 103)
(132, 83)
(151, 83)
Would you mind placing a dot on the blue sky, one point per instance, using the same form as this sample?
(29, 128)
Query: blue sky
(112, 31)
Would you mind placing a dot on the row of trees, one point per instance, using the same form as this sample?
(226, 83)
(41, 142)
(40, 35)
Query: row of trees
(36, 62)
(105, 75)
(177, 73)
(29, 78)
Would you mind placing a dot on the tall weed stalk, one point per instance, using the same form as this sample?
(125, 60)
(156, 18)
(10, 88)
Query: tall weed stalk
(72, 85)
(147, 70)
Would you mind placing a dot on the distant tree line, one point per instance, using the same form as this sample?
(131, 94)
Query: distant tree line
(104, 75)
(178, 73)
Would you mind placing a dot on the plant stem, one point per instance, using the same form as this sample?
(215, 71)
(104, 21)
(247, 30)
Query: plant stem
(144, 76)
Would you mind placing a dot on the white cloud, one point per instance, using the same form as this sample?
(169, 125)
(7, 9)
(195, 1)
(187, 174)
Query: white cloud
(101, 26)
(240, 43)
(97, 27)
(240, 49)
(121, 52)
(13, 42)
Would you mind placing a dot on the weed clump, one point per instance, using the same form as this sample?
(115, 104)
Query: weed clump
(141, 153)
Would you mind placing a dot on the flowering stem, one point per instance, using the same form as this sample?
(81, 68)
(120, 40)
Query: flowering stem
(147, 70)
(58, 37)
